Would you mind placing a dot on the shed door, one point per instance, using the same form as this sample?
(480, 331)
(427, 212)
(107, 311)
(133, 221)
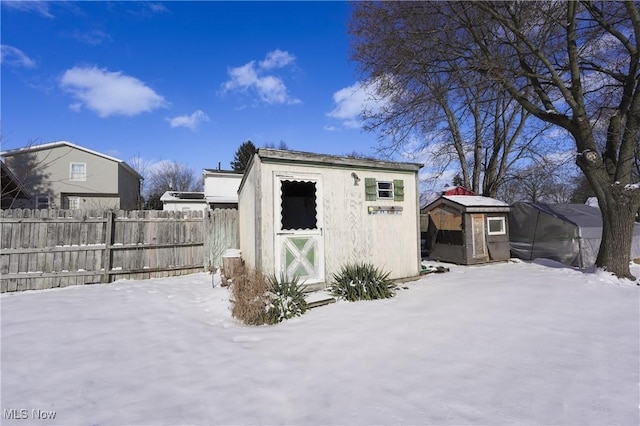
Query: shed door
(477, 231)
(298, 216)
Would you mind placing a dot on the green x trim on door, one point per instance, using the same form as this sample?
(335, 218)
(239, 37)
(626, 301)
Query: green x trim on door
(300, 256)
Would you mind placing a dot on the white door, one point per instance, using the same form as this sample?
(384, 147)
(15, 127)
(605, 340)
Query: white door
(298, 224)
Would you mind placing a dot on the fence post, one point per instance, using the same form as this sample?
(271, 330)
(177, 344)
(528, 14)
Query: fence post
(108, 242)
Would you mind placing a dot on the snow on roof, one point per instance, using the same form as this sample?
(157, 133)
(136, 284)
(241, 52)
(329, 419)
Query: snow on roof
(182, 196)
(475, 201)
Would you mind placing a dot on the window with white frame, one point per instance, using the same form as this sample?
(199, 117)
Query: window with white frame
(78, 171)
(496, 226)
(43, 202)
(73, 203)
(385, 190)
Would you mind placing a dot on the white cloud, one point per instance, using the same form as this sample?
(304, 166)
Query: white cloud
(15, 57)
(350, 103)
(93, 38)
(277, 59)
(270, 89)
(109, 93)
(156, 7)
(39, 7)
(189, 121)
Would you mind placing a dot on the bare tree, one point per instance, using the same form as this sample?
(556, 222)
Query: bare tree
(282, 145)
(570, 64)
(467, 122)
(169, 176)
(28, 169)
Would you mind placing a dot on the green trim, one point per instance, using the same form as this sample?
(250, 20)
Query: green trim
(370, 189)
(398, 190)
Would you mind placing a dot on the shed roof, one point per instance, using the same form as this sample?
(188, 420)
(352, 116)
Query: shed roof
(475, 201)
(278, 155)
(268, 155)
(472, 203)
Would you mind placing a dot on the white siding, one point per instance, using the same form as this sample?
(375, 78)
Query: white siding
(247, 217)
(221, 185)
(350, 233)
(182, 205)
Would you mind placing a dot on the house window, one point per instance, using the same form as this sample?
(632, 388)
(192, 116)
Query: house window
(78, 171)
(43, 202)
(496, 226)
(384, 190)
(73, 203)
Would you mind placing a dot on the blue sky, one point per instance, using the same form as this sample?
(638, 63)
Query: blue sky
(181, 81)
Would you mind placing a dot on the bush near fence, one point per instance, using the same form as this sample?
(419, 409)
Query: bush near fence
(42, 249)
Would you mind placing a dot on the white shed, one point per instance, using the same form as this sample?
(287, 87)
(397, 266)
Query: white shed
(308, 214)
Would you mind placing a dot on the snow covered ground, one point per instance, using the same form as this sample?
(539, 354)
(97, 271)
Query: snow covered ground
(510, 343)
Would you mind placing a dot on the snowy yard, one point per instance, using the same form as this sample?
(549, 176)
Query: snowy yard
(511, 343)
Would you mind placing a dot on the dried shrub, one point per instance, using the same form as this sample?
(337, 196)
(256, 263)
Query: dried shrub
(259, 300)
(250, 299)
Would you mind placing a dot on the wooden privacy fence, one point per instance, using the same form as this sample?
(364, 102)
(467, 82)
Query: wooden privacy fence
(42, 249)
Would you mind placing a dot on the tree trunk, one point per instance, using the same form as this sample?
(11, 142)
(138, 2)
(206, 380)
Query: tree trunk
(618, 215)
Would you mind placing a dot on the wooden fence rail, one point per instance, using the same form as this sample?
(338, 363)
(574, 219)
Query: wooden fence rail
(42, 249)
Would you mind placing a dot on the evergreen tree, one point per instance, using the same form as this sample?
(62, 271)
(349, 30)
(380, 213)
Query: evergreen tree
(242, 157)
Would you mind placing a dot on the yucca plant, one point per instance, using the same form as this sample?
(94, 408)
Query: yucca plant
(287, 298)
(362, 281)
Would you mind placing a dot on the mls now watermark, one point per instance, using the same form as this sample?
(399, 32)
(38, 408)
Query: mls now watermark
(24, 414)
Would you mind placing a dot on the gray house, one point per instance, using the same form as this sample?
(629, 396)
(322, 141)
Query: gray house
(68, 176)
(468, 229)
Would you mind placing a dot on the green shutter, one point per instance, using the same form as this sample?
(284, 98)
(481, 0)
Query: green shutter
(398, 190)
(370, 189)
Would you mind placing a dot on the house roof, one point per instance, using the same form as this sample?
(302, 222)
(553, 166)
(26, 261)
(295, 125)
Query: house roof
(58, 144)
(221, 172)
(457, 190)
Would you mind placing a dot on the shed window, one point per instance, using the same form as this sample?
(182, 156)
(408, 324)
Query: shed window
(78, 171)
(496, 226)
(384, 190)
(298, 205)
